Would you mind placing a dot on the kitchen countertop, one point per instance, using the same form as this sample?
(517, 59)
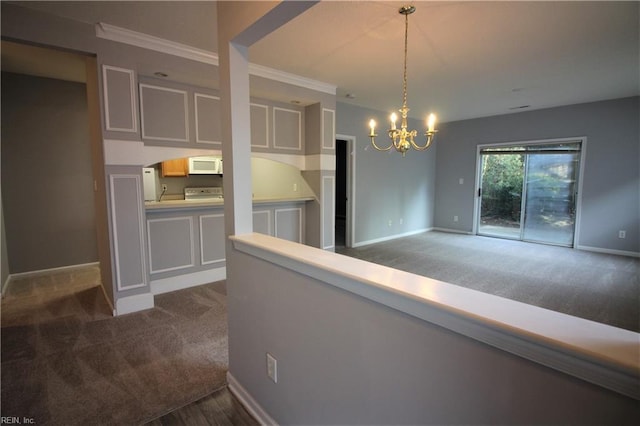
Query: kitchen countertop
(193, 204)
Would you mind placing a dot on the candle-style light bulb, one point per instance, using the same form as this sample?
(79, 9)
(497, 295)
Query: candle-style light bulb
(372, 125)
(431, 122)
(393, 118)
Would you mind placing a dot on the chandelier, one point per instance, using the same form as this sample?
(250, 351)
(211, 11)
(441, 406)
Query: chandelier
(402, 139)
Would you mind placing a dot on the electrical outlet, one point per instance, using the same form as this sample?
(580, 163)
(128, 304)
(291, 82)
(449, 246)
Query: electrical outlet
(295, 187)
(390, 222)
(164, 187)
(622, 234)
(401, 221)
(461, 181)
(272, 368)
(455, 218)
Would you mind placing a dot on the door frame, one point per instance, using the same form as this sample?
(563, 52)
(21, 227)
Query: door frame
(350, 189)
(583, 154)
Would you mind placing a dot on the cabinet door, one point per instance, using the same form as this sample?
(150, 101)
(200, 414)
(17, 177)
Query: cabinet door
(207, 114)
(175, 168)
(164, 114)
(119, 100)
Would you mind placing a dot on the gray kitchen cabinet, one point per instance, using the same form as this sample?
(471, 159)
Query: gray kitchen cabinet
(120, 104)
(287, 129)
(164, 113)
(127, 227)
(276, 127)
(207, 119)
(259, 125)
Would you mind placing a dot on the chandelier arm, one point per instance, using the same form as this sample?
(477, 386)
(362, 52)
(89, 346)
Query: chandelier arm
(430, 136)
(373, 142)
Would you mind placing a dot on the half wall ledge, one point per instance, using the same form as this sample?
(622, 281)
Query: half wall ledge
(597, 353)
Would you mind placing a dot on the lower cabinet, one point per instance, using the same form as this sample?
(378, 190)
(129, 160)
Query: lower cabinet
(190, 240)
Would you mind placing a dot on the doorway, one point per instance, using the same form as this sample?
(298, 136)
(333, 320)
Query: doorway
(344, 193)
(529, 191)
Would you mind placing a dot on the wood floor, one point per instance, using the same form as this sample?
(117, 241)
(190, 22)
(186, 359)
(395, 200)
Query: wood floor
(219, 408)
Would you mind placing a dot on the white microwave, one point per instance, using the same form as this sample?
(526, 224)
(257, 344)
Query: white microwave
(205, 166)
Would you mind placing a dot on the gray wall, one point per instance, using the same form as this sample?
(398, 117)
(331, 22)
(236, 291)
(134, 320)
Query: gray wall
(47, 180)
(611, 184)
(387, 185)
(343, 359)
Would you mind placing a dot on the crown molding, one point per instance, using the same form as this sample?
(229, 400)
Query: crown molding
(296, 80)
(146, 41)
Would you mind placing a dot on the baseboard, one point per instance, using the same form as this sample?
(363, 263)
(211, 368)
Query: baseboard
(5, 284)
(50, 270)
(452, 231)
(166, 285)
(250, 404)
(391, 237)
(609, 251)
(39, 272)
(130, 304)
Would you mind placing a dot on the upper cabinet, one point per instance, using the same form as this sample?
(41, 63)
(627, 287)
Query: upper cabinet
(276, 128)
(174, 114)
(120, 103)
(166, 113)
(207, 116)
(178, 167)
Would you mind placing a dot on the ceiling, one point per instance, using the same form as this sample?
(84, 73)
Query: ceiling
(465, 59)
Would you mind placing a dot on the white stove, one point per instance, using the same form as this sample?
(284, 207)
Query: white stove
(206, 193)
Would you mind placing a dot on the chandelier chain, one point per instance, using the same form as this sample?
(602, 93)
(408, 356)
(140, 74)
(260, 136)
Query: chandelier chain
(404, 77)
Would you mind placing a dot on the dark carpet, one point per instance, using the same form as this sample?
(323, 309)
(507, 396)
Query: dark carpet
(600, 287)
(66, 361)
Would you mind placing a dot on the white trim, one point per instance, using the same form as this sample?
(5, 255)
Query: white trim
(609, 251)
(135, 303)
(597, 353)
(52, 270)
(333, 125)
(296, 160)
(320, 162)
(452, 231)
(248, 402)
(296, 80)
(193, 279)
(268, 212)
(5, 284)
(578, 219)
(105, 90)
(299, 210)
(266, 123)
(390, 237)
(195, 113)
(202, 261)
(136, 153)
(145, 41)
(186, 113)
(40, 272)
(275, 141)
(333, 212)
(112, 179)
(170, 219)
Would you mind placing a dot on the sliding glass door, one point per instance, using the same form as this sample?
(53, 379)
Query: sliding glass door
(528, 192)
